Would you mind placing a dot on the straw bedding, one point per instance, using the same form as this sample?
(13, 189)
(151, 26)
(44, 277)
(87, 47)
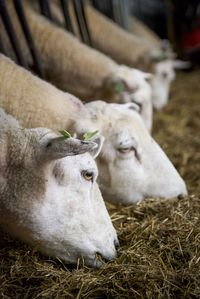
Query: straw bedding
(159, 255)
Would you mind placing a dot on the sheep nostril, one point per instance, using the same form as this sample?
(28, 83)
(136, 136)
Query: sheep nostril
(116, 243)
(100, 258)
(180, 196)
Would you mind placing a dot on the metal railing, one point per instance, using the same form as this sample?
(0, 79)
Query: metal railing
(45, 9)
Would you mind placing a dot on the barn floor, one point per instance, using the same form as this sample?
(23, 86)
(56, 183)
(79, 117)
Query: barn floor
(159, 256)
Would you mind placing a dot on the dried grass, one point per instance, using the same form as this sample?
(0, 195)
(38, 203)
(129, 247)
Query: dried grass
(159, 256)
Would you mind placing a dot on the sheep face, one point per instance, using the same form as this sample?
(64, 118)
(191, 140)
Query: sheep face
(131, 165)
(132, 86)
(49, 196)
(164, 74)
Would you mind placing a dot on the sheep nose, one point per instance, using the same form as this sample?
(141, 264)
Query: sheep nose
(116, 243)
(180, 196)
(103, 258)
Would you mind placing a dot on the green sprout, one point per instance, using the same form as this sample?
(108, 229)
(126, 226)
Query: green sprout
(119, 87)
(65, 134)
(89, 135)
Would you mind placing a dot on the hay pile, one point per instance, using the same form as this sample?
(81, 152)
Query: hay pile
(159, 256)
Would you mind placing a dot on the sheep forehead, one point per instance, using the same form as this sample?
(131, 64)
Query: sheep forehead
(22, 143)
(128, 124)
(164, 66)
(79, 162)
(120, 111)
(124, 121)
(29, 135)
(40, 133)
(131, 76)
(114, 117)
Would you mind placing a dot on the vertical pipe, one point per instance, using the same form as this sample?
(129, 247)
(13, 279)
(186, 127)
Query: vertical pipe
(45, 9)
(78, 19)
(65, 9)
(85, 23)
(11, 33)
(20, 12)
(2, 50)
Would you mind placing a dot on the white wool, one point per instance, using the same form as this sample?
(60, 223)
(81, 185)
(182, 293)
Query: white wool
(132, 166)
(46, 200)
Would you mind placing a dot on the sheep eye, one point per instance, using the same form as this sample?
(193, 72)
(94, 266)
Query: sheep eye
(87, 175)
(126, 150)
(164, 75)
(49, 144)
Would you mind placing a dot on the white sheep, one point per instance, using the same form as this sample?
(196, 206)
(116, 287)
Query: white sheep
(141, 30)
(132, 166)
(25, 95)
(78, 69)
(134, 51)
(142, 50)
(49, 197)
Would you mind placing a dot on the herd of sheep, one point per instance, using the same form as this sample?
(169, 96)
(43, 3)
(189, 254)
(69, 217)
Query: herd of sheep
(49, 183)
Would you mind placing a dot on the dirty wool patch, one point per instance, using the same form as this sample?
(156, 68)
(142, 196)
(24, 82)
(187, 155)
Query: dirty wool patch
(159, 255)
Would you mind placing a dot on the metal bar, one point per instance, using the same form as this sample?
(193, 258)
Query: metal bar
(45, 9)
(2, 49)
(126, 9)
(65, 9)
(89, 42)
(78, 18)
(121, 13)
(20, 12)
(104, 6)
(116, 11)
(112, 10)
(11, 33)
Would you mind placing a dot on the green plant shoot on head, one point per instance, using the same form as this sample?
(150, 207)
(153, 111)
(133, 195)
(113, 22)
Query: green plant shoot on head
(65, 134)
(119, 87)
(89, 135)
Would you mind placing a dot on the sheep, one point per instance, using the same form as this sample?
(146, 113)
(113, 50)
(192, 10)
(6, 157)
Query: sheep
(134, 51)
(130, 50)
(30, 96)
(111, 39)
(49, 197)
(80, 70)
(141, 30)
(165, 69)
(132, 166)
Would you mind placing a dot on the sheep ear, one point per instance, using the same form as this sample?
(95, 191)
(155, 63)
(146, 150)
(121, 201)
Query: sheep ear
(99, 143)
(181, 65)
(132, 106)
(159, 55)
(57, 148)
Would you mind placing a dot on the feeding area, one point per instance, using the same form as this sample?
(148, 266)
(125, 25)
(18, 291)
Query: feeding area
(159, 255)
(99, 151)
